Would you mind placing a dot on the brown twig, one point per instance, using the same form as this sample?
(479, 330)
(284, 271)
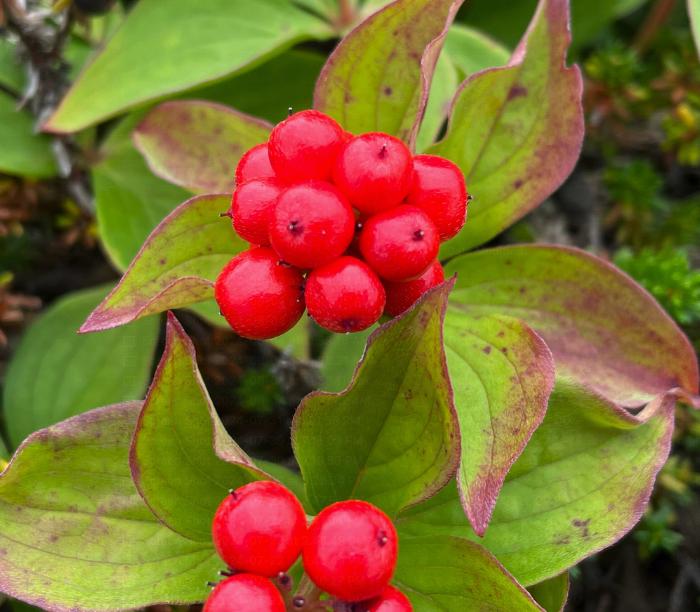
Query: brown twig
(656, 18)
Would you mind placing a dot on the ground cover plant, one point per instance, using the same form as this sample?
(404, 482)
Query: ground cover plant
(489, 416)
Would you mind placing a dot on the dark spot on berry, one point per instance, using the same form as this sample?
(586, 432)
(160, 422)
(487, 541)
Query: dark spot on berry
(348, 324)
(418, 235)
(283, 579)
(382, 152)
(382, 538)
(233, 494)
(358, 226)
(295, 228)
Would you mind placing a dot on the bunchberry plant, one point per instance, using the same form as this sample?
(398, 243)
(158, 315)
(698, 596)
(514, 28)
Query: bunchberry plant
(506, 423)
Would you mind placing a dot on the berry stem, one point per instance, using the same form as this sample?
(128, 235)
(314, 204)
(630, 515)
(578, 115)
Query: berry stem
(307, 596)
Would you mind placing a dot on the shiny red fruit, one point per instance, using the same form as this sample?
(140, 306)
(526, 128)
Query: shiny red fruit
(260, 528)
(399, 244)
(305, 146)
(439, 190)
(344, 295)
(259, 296)
(391, 600)
(251, 209)
(311, 224)
(401, 296)
(351, 550)
(245, 593)
(254, 164)
(374, 170)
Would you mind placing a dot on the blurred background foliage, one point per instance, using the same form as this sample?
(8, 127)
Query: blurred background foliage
(75, 207)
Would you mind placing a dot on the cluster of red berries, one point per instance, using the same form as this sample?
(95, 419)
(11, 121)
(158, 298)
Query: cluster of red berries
(346, 226)
(348, 552)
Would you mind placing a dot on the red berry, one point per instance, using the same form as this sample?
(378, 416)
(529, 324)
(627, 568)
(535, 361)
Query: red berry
(374, 170)
(251, 209)
(254, 164)
(245, 593)
(345, 295)
(305, 146)
(259, 296)
(311, 224)
(399, 244)
(439, 190)
(391, 600)
(260, 528)
(351, 550)
(402, 295)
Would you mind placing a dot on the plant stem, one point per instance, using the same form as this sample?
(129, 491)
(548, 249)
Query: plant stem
(307, 596)
(656, 18)
(346, 13)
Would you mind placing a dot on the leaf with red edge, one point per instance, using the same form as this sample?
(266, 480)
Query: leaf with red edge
(502, 374)
(76, 535)
(196, 144)
(602, 328)
(391, 437)
(175, 267)
(583, 481)
(379, 76)
(182, 460)
(516, 131)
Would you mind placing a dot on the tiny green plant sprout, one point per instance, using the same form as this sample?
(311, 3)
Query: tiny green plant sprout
(506, 417)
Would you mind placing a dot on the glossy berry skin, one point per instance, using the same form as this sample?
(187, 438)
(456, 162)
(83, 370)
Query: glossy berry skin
(391, 600)
(374, 170)
(254, 164)
(402, 295)
(251, 209)
(259, 296)
(399, 244)
(305, 146)
(259, 528)
(344, 295)
(438, 189)
(351, 550)
(245, 593)
(312, 224)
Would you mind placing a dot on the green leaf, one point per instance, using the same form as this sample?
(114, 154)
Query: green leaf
(379, 76)
(197, 144)
(56, 373)
(471, 50)
(602, 327)
(23, 152)
(443, 573)
(502, 374)
(291, 480)
(516, 132)
(11, 73)
(589, 17)
(270, 89)
(175, 267)
(552, 593)
(582, 482)
(130, 200)
(77, 536)
(390, 438)
(694, 14)
(166, 47)
(340, 359)
(442, 89)
(182, 460)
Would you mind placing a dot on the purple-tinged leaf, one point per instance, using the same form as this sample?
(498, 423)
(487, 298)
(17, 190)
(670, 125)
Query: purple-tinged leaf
(602, 328)
(516, 131)
(502, 374)
(75, 534)
(391, 437)
(379, 76)
(182, 460)
(175, 267)
(582, 482)
(196, 144)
